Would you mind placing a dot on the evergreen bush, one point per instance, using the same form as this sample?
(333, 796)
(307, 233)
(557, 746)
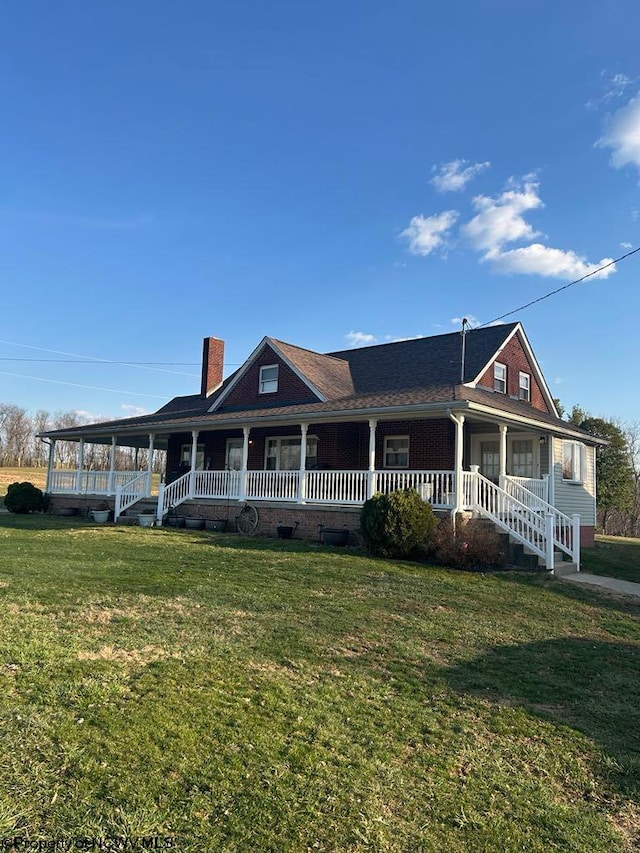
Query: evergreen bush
(24, 497)
(398, 525)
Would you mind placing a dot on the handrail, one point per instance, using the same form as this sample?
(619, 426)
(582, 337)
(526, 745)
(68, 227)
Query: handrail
(518, 488)
(130, 493)
(542, 528)
(173, 495)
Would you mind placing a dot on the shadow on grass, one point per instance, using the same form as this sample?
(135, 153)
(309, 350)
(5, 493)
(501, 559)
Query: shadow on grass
(590, 686)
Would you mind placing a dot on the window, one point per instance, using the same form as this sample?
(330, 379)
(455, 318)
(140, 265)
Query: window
(490, 460)
(185, 456)
(268, 379)
(522, 458)
(234, 454)
(396, 451)
(500, 377)
(573, 461)
(283, 454)
(525, 387)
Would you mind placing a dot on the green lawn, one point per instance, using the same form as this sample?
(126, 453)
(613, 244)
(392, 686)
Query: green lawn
(615, 556)
(256, 695)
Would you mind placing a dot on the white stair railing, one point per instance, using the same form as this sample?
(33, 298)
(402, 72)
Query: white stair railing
(173, 495)
(130, 493)
(535, 523)
(533, 493)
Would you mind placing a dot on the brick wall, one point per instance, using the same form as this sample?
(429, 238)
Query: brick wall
(515, 359)
(246, 394)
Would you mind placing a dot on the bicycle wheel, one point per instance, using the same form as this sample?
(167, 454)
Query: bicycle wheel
(247, 520)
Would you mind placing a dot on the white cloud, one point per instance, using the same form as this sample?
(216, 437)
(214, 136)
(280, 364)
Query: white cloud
(500, 220)
(537, 259)
(471, 320)
(426, 234)
(360, 339)
(90, 417)
(615, 87)
(622, 135)
(626, 246)
(133, 411)
(455, 175)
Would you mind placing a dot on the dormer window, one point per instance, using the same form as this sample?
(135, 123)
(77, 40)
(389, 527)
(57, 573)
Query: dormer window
(500, 377)
(268, 379)
(525, 387)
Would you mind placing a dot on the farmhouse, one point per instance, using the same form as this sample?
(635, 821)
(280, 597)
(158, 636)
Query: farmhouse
(466, 420)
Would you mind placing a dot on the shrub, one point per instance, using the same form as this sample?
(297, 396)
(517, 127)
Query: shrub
(472, 546)
(24, 497)
(397, 525)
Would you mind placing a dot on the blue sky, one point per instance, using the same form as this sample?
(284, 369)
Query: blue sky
(326, 174)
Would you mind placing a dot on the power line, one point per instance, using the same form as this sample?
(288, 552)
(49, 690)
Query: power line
(84, 361)
(78, 385)
(99, 360)
(560, 289)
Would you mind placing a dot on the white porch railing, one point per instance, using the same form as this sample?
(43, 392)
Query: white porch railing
(173, 495)
(522, 488)
(272, 485)
(91, 482)
(340, 487)
(436, 487)
(542, 527)
(217, 484)
(130, 493)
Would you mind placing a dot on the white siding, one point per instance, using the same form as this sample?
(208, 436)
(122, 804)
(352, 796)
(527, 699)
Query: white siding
(575, 497)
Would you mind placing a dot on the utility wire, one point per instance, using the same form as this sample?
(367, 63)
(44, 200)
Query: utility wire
(84, 361)
(560, 289)
(77, 385)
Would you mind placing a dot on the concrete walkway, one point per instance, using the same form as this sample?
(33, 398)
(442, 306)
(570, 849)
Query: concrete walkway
(610, 584)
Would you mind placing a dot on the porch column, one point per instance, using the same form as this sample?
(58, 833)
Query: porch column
(194, 457)
(150, 463)
(459, 422)
(372, 484)
(112, 464)
(302, 486)
(51, 463)
(80, 466)
(245, 461)
(503, 452)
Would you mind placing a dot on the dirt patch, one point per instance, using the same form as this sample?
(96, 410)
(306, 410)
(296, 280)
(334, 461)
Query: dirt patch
(627, 823)
(139, 657)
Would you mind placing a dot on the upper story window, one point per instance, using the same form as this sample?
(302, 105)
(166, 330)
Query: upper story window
(525, 387)
(573, 461)
(396, 451)
(500, 377)
(268, 379)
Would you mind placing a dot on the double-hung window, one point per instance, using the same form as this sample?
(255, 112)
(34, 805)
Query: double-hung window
(524, 392)
(268, 379)
(283, 454)
(573, 461)
(396, 451)
(500, 377)
(185, 456)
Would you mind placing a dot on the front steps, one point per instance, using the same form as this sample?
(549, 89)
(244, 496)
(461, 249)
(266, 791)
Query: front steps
(130, 516)
(523, 558)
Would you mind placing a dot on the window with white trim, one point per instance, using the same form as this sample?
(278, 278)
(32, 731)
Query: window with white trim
(525, 387)
(185, 456)
(268, 379)
(500, 377)
(522, 458)
(573, 461)
(234, 454)
(396, 451)
(283, 453)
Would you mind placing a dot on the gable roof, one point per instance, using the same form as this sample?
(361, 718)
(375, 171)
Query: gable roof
(423, 362)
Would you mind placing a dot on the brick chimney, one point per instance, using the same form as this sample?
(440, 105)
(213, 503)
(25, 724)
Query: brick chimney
(212, 364)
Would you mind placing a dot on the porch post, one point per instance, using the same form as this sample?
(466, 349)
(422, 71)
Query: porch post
(503, 453)
(372, 484)
(459, 420)
(80, 466)
(302, 485)
(245, 462)
(150, 463)
(194, 456)
(51, 463)
(112, 463)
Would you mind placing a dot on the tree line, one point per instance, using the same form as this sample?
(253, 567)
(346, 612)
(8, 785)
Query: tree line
(21, 448)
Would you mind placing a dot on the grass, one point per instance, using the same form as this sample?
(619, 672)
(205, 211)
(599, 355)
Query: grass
(243, 695)
(614, 556)
(37, 476)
